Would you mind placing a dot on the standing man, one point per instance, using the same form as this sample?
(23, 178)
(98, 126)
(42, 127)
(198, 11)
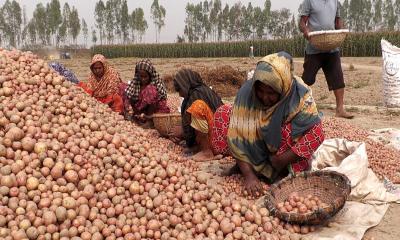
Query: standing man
(318, 15)
(251, 55)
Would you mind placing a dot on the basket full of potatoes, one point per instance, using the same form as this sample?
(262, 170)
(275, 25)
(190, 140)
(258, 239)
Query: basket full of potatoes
(308, 198)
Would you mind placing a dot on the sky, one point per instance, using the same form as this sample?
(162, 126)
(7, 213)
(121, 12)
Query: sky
(175, 13)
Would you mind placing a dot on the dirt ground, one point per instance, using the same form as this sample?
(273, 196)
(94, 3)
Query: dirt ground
(388, 228)
(363, 77)
(363, 80)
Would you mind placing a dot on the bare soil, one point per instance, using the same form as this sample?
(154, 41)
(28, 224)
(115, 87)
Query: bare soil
(363, 77)
(388, 228)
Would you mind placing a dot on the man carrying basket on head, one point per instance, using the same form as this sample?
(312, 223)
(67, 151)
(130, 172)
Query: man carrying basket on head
(318, 15)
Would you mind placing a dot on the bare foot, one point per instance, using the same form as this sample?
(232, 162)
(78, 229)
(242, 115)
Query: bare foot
(252, 185)
(231, 171)
(203, 156)
(344, 114)
(190, 150)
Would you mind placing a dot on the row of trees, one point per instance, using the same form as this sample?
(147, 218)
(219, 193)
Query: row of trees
(48, 25)
(10, 23)
(210, 21)
(114, 23)
(52, 24)
(371, 15)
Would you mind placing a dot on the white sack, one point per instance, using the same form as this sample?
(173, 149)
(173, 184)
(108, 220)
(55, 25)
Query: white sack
(368, 201)
(391, 74)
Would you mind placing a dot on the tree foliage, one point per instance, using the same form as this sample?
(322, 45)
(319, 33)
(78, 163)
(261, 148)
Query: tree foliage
(54, 18)
(94, 36)
(124, 21)
(85, 31)
(137, 24)
(99, 13)
(205, 21)
(10, 23)
(75, 24)
(158, 15)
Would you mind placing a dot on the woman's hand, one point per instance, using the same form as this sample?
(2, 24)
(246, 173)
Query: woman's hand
(176, 134)
(174, 139)
(176, 131)
(127, 116)
(148, 117)
(252, 184)
(142, 117)
(281, 161)
(277, 162)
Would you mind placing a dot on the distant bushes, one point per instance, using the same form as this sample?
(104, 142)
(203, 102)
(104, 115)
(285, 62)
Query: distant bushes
(355, 45)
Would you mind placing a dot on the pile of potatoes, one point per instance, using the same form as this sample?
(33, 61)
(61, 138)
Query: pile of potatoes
(70, 168)
(383, 160)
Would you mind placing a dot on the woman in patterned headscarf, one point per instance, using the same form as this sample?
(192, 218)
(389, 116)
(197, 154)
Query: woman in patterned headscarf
(191, 87)
(274, 123)
(147, 92)
(104, 84)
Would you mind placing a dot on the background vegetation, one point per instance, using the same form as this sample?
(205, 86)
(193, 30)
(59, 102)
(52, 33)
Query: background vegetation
(211, 29)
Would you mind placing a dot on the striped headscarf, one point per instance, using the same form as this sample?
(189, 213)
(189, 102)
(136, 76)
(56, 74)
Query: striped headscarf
(255, 132)
(193, 88)
(108, 84)
(133, 89)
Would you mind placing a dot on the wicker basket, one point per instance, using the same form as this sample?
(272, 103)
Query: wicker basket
(330, 187)
(164, 122)
(327, 40)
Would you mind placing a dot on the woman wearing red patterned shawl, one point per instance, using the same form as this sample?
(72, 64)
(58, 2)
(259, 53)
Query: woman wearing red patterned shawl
(104, 84)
